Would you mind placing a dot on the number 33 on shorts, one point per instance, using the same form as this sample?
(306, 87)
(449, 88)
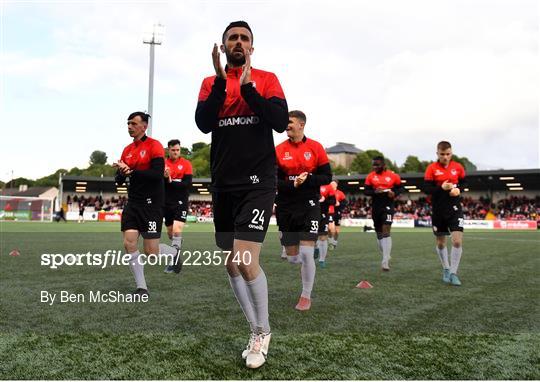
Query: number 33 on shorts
(314, 226)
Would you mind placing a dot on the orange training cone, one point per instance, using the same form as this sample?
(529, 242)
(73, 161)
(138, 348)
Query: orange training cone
(364, 285)
(15, 252)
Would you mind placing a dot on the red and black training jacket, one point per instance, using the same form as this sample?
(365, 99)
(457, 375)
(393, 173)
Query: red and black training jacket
(241, 120)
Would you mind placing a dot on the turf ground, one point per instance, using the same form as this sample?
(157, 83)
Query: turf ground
(409, 326)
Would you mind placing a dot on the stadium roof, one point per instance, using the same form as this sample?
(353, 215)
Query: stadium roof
(106, 184)
(343, 148)
(479, 181)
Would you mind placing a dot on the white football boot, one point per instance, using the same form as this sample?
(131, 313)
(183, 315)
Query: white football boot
(259, 351)
(252, 338)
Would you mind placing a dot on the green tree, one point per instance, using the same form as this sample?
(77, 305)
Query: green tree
(465, 162)
(338, 170)
(50, 180)
(412, 164)
(98, 157)
(75, 171)
(197, 146)
(362, 162)
(14, 183)
(98, 170)
(200, 160)
(184, 151)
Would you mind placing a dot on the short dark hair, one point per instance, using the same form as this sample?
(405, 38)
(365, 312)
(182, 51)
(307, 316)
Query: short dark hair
(378, 157)
(237, 24)
(444, 145)
(145, 117)
(173, 142)
(298, 114)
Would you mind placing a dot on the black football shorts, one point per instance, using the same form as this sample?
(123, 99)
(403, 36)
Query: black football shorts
(444, 222)
(242, 215)
(298, 222)
(382, 216)
(175, 212)
(148, 220)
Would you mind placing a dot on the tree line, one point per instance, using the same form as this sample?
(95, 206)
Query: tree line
(362, 164)
(199, 155)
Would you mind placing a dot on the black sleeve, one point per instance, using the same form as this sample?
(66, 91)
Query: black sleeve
(321, 176)
(182, 185)
(119, 178)
(398, 189)
(283, 183)
(462, 184)
(155, 172)
(273, 111)
(431, 188)
(369, 190)
(207, 111)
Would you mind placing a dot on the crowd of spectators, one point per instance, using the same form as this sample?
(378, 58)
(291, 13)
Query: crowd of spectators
(200, 208)
(97, 203)
(512, 208)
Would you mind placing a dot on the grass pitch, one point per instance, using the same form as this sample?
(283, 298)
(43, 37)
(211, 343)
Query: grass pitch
(409, 326)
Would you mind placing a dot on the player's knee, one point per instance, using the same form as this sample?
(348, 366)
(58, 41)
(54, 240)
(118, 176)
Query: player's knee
(379, 235)
(291, 251)
(151, 249)
(249, 272)
(130, 245)
(232, 269)
(456, 243)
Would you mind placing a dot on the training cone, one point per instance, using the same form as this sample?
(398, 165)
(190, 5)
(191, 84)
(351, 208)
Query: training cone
(364, 285)
(15, 252)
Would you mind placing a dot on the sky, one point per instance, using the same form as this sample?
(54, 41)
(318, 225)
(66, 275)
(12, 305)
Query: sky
(392, 75)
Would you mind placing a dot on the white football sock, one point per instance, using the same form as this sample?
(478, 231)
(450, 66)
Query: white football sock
(443, 256)
(323, 249)
(308, 270)
(455, 257)
(379, 246)
(258, 293)
(138, 270)
(238, 285)
(386, 246)
(294, 259)
(177, 240)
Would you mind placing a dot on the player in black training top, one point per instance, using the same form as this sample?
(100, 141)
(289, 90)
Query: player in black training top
(241, 106)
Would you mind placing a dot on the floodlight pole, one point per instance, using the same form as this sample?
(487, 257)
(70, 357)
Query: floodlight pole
(152, 42)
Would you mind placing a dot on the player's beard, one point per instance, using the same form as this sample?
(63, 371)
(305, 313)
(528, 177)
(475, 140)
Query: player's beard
(236, 62)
